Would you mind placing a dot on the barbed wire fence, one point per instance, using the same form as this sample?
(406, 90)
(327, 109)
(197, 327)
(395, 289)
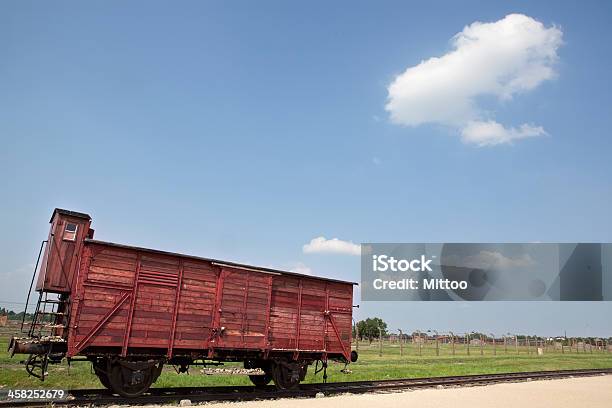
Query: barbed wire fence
(434, 343)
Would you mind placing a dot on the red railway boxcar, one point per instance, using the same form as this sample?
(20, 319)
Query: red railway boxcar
(130, 310)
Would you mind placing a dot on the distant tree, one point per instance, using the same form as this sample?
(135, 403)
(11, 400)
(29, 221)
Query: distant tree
(369, 328)
(12, 315)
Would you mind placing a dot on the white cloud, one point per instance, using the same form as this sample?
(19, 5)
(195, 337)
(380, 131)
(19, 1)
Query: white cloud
(335, 246)
(502, 59)
(299, 267)
(491, 133)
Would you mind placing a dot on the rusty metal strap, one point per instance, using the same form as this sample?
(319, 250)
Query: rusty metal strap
(94, 330)
(346, 353)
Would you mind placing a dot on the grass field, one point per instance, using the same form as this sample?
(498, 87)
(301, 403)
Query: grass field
(369, 367)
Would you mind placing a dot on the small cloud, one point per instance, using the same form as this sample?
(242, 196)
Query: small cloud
(504, 58)
(332, 246)
(376, 161)
(491, 133)
(299, 267)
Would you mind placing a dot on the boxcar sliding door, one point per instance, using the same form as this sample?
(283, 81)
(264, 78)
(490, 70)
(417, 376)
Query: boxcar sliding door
(244, 308)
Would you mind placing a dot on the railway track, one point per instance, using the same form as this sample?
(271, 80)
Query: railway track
(100, 397)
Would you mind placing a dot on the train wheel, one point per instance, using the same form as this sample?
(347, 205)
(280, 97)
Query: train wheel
(129, 382)
(99, 368)
(104, 379)
(260, 380)
(287, 376)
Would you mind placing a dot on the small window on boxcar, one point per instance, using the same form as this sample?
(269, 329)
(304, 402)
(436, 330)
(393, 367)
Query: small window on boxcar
(70, 232)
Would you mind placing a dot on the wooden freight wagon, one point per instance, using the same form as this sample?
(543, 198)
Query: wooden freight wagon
(130, 310)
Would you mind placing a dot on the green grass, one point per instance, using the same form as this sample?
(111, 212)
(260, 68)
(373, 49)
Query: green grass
(393, 365)
(369, 367)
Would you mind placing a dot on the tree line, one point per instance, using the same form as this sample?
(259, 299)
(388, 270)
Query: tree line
(12, 315)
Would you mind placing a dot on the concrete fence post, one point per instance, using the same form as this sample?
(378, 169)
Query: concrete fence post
(516, 344)
(528, 345)
(420, 343)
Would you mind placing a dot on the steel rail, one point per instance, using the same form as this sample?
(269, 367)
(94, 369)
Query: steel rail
(246, 393)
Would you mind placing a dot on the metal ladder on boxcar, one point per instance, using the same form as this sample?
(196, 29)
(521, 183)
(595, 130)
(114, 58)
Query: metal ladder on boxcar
(49, 315)
(47, 319)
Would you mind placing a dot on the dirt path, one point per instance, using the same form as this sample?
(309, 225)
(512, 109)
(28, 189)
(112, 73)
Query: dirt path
(592, 392)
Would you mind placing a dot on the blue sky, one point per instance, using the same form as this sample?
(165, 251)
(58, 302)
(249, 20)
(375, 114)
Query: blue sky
(243, 131)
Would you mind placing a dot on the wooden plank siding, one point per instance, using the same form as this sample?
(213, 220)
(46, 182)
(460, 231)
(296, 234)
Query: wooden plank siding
(60, 257)
(180, 304)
